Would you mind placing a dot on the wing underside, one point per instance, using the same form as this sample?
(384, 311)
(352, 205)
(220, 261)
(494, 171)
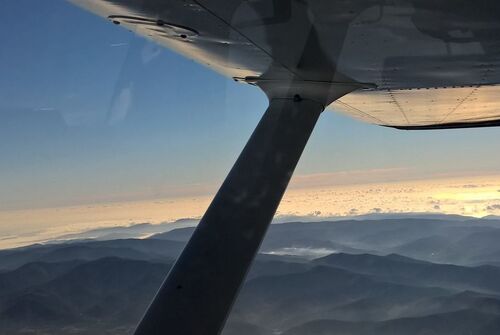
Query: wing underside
(423, 64)
(427, 108)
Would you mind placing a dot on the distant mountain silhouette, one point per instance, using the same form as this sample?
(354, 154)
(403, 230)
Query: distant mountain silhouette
(140, 249)
(399, 269)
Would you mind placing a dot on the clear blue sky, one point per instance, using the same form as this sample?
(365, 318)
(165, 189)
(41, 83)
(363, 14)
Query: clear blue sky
(91, 112)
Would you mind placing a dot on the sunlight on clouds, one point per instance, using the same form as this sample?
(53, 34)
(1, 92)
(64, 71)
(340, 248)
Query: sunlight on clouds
(473, 196)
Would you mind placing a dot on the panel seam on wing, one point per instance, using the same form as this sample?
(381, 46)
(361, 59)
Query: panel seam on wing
(247, 38)
(459, 104)
(398, 105)
(359, 111)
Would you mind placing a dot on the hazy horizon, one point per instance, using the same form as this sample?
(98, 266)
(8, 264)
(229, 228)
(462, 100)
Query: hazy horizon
(318, 195)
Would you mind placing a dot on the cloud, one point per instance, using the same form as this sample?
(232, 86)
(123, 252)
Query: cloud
(306, 252)
(116, 45)
(494, 207)
(437, 207)
(314, 213)
(349, 177)
(376, 210)
(353, 211)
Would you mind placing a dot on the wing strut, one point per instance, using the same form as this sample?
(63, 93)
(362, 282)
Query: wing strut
(199, 291)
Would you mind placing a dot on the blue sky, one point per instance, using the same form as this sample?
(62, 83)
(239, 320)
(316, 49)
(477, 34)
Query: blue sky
(90, 112)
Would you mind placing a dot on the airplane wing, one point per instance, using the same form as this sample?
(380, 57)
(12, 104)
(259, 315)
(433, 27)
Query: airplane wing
(419, 64)
(409, 64)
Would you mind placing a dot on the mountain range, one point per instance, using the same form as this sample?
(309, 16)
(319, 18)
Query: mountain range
(417, 276)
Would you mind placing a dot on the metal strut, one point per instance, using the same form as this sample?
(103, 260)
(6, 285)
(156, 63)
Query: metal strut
(199, 291)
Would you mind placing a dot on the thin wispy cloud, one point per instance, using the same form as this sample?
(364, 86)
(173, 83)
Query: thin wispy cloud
(309, 253)
(117, 45)
(350, 177)
(495, 207)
